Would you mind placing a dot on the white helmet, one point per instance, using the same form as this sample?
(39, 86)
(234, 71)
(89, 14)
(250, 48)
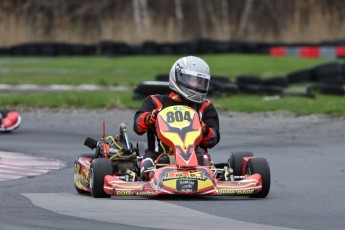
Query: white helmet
(190, 77)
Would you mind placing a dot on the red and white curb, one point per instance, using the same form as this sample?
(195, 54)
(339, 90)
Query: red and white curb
(17, 165)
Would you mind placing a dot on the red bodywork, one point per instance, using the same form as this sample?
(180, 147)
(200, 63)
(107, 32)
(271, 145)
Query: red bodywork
(154, 187)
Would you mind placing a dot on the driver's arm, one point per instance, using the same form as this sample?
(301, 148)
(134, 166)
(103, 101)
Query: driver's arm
(143, 116)
(211, 136)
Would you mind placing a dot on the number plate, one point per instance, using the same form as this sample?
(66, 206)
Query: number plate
(187, 185)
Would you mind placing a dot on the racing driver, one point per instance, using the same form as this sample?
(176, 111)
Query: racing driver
(189, 81)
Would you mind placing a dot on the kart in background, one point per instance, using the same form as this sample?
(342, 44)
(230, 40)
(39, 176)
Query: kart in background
(114, 168)
(9, 120)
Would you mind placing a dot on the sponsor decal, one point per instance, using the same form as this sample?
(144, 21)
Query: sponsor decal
(179, 108)
(176, 177)
(133, 193)
(144, 193)
(235, 192)
(185, 173)
(187, 185)
(124, 193)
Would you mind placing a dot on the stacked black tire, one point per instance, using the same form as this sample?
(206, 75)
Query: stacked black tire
(255, 85)
(219, 86)
(330, 78)
(326, 78)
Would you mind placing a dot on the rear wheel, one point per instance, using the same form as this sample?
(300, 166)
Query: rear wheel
(260, 166)
(100, 167)
(236, 161)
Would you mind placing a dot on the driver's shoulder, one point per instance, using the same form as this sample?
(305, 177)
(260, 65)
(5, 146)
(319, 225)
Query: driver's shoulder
(159, 100)
(206, 102)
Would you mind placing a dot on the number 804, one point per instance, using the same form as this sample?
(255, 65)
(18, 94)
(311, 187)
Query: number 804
(178, 116)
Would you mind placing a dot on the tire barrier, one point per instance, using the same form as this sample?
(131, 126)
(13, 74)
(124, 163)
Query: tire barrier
(248, 80)
(331, 89)
(49, 49)
(300, 76)
(147, 88)
(328, 49)
(261, 90)
(219, 86)
(162, 77)
(328, 78)
(255, 85)
(256, 80)
(110, 48)
(276, 81)
(329, 73)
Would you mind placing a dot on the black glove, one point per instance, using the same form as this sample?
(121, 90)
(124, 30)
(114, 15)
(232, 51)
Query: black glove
(151, 117)
(204, 129)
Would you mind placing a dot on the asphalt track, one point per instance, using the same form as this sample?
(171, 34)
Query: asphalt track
(306, 156)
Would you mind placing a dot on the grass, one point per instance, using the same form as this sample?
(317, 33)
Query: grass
(131, 70)
(322, 104)
(94, 99)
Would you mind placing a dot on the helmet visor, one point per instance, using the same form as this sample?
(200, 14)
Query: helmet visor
(193, 80)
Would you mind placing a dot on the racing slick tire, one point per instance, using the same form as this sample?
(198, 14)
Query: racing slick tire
(236, 161)
(260, 166)
(99, 168)
(88, 155)
(80, 191)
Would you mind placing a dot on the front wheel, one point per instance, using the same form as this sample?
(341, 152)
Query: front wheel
(260, 166)
(100, 167)
(236, 161)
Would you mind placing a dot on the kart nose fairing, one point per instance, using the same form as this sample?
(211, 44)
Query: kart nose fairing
(174, 180)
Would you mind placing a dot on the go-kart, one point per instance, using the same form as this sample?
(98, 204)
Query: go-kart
(113, 170)
(9, 120)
